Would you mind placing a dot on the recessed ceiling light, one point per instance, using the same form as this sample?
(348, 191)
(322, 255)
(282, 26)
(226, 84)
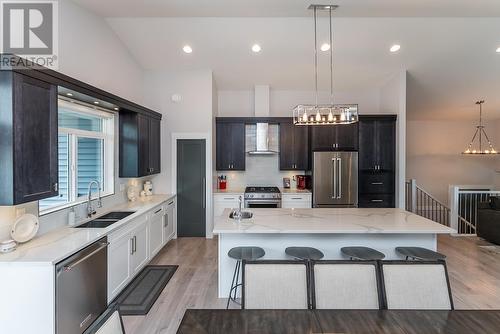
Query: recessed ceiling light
(395, 48)
(325, 47)
(96, 102)
(69, 94)
(116, 108)
(498, 49)
(256, 48)
(187, 49)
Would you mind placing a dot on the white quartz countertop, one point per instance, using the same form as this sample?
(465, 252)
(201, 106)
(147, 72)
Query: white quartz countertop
(231, 191)
(56, 245)
(330, 221)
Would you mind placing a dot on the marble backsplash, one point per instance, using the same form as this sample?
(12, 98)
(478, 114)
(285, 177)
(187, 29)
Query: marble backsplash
(260, 170)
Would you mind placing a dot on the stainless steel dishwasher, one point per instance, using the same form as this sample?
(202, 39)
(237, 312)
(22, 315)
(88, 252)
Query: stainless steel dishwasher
(81, 288)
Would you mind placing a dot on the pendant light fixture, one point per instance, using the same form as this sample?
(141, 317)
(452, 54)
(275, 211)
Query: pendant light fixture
(328, 114)
(480, 135)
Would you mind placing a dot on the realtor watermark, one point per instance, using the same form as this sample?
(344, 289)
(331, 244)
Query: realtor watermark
(28, 34)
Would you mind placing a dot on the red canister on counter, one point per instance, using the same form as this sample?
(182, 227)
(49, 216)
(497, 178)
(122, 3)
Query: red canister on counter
(222, 182)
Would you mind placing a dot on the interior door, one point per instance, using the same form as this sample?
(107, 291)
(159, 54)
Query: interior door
(191, 190)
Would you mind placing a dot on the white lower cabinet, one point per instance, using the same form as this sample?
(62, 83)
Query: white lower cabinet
(156, 226)
(140, 250)
(119, 271)
(224, 201)
(134, 245)
(169, 221)
(300, 200)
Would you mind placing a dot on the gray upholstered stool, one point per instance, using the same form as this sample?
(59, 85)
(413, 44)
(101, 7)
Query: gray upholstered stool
(239, 254)
(419, 253)
(304, 253)
(362, 253)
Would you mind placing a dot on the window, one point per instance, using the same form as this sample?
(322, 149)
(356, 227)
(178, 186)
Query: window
(86, 153)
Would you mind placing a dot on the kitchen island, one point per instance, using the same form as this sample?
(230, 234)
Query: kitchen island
(325, 229)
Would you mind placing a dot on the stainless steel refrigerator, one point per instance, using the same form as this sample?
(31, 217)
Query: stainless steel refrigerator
(335, 179)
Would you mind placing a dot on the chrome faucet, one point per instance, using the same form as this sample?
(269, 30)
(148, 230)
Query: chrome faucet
(90, 210)
(238, 213)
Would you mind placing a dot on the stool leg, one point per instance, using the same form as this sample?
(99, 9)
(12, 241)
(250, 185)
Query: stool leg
(237, 280)
(232, 283)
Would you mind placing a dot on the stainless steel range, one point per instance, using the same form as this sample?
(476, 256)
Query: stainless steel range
(262, 197)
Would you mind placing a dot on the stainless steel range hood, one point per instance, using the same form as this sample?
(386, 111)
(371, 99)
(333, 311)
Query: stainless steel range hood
(262, 137)
(262, 140)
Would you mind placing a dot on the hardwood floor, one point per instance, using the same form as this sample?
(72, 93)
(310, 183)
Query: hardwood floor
(474, 275)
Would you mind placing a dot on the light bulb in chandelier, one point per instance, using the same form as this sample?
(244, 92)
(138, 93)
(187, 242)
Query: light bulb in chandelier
(342, 116)
(318, 116)
(304, 117)
(330, 117)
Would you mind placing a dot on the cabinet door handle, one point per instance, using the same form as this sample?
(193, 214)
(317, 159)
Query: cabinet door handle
(377, 200)
(135, 243)
(132, 246)
(165, 222)
(377, 183)
(230, 198)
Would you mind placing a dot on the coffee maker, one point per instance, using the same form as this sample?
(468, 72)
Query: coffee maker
(303, 181)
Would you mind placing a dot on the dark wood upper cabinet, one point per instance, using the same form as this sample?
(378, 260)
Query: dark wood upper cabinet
(230, 146)
(377, 161)
(377, 137)
(294, 146)
(28, 139)
(140, 144)
(342, 137)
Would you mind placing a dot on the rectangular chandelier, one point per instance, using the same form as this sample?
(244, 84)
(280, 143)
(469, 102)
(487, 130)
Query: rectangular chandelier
(332, 114)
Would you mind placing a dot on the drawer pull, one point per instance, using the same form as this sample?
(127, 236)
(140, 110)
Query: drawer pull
(296, 198)
(158, 210)
(171, 203)
(230, 198)
(377, 200)
(377, 183)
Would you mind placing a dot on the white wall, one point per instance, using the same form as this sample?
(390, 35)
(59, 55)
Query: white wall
(91, 52)
(241, 102)
(191, 117)
(393, 101)
(434, 159)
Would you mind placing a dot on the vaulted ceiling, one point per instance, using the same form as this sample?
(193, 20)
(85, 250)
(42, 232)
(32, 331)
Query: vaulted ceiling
(451, 61)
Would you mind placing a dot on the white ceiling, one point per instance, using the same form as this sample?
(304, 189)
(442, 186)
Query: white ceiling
(291, 8)
(451, 61)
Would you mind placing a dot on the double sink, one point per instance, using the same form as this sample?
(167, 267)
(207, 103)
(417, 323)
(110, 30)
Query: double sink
(106, 220)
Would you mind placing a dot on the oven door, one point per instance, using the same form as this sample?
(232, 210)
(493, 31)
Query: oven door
(255, 203)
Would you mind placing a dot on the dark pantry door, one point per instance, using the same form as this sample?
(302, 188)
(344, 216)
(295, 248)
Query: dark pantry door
(191, 199)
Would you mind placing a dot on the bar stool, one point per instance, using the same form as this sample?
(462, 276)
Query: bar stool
(362, 253)
(239, 254)
(419, 253)
(304, 253)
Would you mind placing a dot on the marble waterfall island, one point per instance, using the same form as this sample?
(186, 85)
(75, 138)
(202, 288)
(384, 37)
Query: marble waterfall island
(326, 229)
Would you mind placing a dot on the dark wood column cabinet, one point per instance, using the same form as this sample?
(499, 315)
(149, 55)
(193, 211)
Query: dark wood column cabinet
(342, 137)
(28, 139)
(230, 145)
(377, 161)
(294, 146)
(140, 144)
